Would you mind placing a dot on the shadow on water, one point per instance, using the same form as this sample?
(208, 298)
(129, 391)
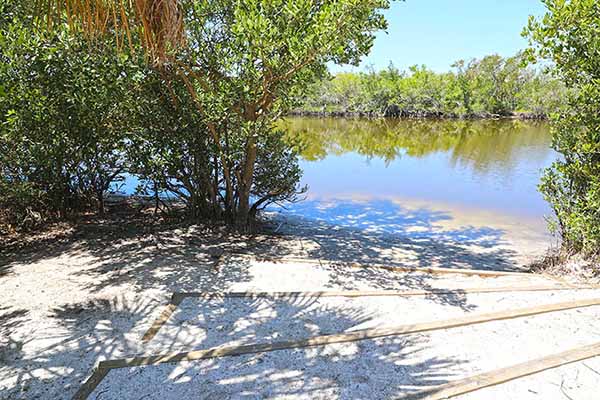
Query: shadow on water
(388, 217)
(384, 232)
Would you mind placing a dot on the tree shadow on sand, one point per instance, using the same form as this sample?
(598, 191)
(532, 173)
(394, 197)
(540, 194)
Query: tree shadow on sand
(376, 369)
(115, 251)
(183, 259)
(103, 256)
(55, 358)
(10, 319)
(53, 366)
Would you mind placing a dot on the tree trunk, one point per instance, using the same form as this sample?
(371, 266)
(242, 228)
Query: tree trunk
(243, 212)
(100, 200)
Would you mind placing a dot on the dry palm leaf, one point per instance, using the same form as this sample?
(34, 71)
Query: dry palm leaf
(158, 24)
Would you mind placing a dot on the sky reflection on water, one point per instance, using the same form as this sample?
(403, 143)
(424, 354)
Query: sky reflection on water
(361, 172)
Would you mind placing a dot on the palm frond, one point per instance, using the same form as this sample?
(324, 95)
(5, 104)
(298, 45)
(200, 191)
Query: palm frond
(159, 24)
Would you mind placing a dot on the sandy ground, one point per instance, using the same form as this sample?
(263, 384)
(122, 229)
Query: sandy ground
(370, 369)
(201, 323)
(89, 292)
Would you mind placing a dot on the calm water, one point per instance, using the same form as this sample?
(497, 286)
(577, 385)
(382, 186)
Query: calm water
(410, 176)
(360, 172)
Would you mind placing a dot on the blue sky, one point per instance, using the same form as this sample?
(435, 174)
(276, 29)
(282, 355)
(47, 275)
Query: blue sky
(438, 32)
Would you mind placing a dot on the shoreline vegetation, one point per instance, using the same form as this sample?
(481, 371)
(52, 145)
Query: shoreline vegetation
(76, 117)
(397, 113)
(189, 105)
(492, 87)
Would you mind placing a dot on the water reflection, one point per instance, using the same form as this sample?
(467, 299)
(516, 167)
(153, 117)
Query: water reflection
(491, 165)
(468, 186)
(484, 145)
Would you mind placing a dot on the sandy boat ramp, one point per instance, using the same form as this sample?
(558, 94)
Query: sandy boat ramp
(310, 329)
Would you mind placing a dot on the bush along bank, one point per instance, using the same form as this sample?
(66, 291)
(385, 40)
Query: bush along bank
(396, 112)
(487, 88)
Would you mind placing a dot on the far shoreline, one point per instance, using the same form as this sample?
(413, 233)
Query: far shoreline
(423, 115)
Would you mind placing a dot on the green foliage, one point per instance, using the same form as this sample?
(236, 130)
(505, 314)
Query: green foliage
(199, 124)
(170, 151)
(572, 184)
(244, 64)
(63, 120)
(569, 36)
(491, 85)
(277, 172)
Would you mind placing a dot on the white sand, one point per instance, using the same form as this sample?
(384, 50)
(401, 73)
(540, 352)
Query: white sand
(373, 369)
(199, 323)
(578, 381)
(67, 303)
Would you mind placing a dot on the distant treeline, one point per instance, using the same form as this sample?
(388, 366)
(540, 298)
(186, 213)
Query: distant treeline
(492, 86)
